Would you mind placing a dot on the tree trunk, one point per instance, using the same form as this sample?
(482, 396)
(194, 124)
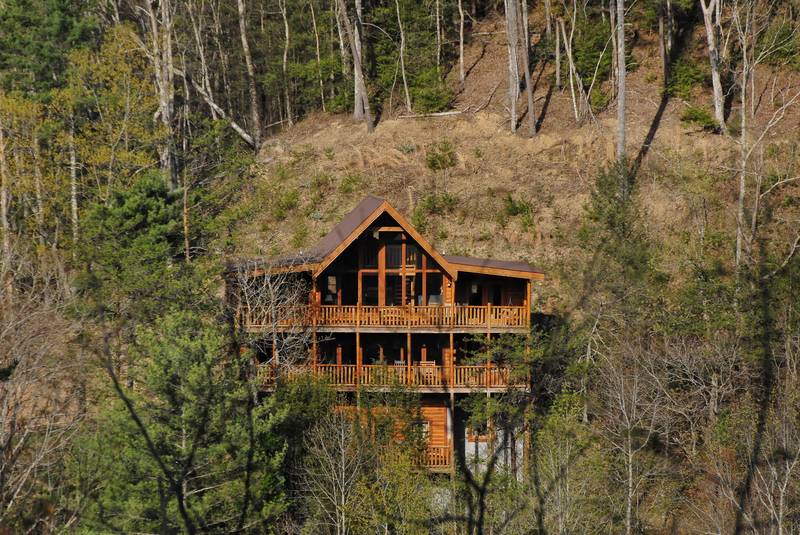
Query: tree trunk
(282, 6)
(73, 187)
(357, 68)
(255, 115)
(403, 55)
(513, 62)
(548, 19)
(709, 11)
(37, 178)
(526, 64)
(438, 36)
(5, 199)
(620, 79)
(319, 58)
(161, 41)
(461, 74)
(346, 70)
(558, 59)
(355, 37)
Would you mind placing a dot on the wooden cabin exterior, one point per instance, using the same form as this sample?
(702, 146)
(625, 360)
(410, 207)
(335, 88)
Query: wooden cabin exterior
(384, 308)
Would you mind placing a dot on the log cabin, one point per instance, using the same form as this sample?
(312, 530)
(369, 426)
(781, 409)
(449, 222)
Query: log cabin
(383, 308)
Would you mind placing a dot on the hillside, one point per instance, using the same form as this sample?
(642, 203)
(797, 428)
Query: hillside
(319, 169)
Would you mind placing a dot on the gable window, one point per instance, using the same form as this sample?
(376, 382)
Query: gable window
(394, 255)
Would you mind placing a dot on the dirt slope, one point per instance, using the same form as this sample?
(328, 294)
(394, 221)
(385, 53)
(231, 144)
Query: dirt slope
(321, 168)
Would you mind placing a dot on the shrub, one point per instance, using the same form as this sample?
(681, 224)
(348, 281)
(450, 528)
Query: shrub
(286, 201)
(684, 76)
(440, 156)
(699, 117)
(350, 183)
(429, 92)
(599, 100)
(438, 203)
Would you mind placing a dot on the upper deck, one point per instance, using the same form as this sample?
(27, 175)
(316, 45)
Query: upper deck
(422, 319)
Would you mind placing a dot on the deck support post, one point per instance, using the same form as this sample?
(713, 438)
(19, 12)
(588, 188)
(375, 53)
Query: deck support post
(314, 317)
(408, 362)
(358, 358)
(451, 366)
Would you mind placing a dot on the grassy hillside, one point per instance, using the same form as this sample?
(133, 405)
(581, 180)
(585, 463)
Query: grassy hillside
(477, 189)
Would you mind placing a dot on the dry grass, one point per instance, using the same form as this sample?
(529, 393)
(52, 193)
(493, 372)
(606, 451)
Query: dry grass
(331, 162)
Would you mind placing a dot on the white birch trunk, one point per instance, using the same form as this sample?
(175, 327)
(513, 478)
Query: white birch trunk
(620, 79)
(255, 115)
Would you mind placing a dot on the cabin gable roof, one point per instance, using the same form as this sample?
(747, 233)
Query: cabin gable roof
(356, 222)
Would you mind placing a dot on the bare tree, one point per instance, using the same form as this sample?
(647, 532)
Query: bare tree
(512, 41)
(526, 65)
(711, 21)
(620, 79)
(461, 74)
(354, 37)
(337, 458)
(750, 21)
(629, 409)
(319, 58)
(40, 392)
(403, 55)
(158, 24)
(271, 303)
(285, 17)
(255, 115)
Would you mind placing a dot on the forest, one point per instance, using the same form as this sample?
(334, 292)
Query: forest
(643, 153)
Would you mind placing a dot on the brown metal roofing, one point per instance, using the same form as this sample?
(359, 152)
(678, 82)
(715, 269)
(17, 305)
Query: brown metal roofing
(347, 226)
(491, 263)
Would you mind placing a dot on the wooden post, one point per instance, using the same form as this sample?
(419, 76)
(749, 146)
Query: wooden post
(403, 270)
(488, 360)
(452, 364)
(410, 358)
(528, 303)
(381, 274)
(314, 319)
(358, 357)
(339, 355)
(424, 279)
(424, 353)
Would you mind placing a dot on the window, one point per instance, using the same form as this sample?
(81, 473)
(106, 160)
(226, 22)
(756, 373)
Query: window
(369, 290)
(330, 291)
(369, 253)
(413, 258)
(394, 255)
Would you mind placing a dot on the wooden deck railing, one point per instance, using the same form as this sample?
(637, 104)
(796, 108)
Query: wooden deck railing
(437, 457)
(479, 317)
(417, 376)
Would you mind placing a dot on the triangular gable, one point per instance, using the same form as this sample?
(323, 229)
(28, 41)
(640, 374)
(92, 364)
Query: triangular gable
(358, 230)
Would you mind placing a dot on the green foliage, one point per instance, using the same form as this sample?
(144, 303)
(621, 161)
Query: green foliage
(438, 203)
(131, 246)
(699, 117)
(351, 183)
(190, 434)
(592, 50)
(599, 100)
(430, 93)
(780, 44)
(440, 156)
(686, 74)
(286, 201)
(36, 36)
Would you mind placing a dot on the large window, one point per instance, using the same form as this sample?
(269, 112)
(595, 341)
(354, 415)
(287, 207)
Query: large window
(370, 253)
(369, 290)
(394, 255)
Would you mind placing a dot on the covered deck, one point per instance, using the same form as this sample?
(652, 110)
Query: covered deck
(441, 318)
